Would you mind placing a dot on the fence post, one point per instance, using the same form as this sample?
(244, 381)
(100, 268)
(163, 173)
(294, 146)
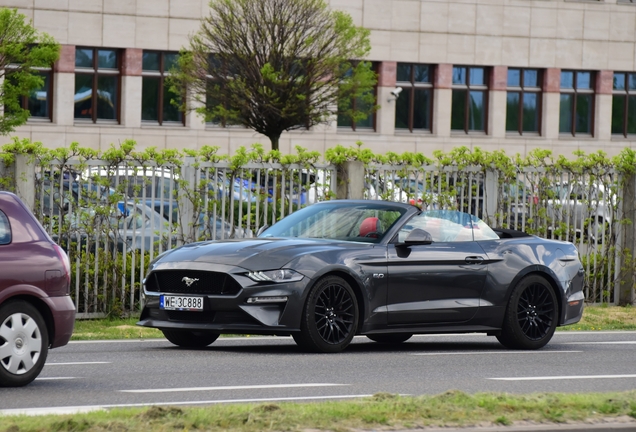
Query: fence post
(490, 196)
(185, 197)
(627, 246)
(6, 176)
(350, 180)
(25, 179)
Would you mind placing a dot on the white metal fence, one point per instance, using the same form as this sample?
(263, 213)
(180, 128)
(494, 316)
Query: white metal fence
(114, 219)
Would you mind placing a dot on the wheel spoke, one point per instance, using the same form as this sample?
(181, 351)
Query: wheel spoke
(534, 311)
(8, 328)
(334, 314)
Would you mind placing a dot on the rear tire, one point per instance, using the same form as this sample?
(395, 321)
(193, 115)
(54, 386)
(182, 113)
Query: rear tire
(330, 317)
(189, 338)
(390, 338)
(531, 315)
(24, 343)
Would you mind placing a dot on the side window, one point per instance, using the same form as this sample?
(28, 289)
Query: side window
(441, 229)
(449, 226)
(5, 229)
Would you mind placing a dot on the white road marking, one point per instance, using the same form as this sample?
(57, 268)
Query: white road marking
(75, 363)
(564, 377)
(493, 352)
(601, 343)
(246, 387)
(104, 341)
(89, 408)
(54, 378)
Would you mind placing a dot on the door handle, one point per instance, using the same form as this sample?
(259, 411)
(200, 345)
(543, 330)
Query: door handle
(474, 260)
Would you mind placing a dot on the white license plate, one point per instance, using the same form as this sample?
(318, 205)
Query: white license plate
(168, 302)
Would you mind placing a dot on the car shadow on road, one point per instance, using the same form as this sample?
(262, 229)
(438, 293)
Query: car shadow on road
(275, 347)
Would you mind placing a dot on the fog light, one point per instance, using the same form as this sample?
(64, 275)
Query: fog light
(278, 299)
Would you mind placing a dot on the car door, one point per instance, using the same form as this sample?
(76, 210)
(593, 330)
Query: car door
(440, 282)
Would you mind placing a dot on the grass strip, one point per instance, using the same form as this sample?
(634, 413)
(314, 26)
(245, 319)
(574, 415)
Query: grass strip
(379, 412)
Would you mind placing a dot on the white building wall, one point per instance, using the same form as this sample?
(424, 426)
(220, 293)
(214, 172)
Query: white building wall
(587, 35)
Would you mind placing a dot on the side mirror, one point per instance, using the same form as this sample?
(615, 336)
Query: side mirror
(261, 229)
(418, 237)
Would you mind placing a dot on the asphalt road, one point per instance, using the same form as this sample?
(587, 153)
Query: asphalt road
(84, 376)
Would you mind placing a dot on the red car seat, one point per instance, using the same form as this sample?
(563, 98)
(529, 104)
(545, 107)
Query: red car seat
(370, 225)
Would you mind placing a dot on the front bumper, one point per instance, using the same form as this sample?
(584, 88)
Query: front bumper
(234, 314)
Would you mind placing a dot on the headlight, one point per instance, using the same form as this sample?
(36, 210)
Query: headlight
(277, 276)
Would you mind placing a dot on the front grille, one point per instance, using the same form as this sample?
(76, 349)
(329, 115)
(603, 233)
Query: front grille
(174, 281)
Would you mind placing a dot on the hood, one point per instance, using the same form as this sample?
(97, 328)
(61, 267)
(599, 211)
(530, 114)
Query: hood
(254, 254)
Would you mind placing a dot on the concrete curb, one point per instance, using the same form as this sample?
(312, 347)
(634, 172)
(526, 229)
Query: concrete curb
(629, 426)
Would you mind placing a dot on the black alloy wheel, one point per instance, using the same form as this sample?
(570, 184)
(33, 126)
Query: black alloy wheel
(531, 316)
(330, 318)
(189, 338)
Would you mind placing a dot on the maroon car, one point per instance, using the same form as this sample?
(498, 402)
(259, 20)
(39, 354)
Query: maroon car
(36, 310)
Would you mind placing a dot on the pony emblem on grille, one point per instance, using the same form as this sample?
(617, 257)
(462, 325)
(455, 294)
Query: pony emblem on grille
(189, 281)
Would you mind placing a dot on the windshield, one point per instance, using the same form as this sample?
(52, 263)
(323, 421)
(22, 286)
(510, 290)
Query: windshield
(338, 221)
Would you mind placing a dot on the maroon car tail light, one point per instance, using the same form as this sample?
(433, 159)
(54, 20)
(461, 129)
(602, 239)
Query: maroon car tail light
(66, 262)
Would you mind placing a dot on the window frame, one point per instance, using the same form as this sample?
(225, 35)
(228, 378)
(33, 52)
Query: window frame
(522, 89)
(6, 238)
(625, 93)
(96, 72)
(162, 73)
(353, 126)
(411, 87)
(467, 88)
(24, 99)
(576, 91)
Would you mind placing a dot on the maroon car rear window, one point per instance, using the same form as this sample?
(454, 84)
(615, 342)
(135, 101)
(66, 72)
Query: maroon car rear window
(5, 229)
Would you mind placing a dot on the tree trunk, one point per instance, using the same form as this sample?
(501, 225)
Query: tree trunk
(274, 140)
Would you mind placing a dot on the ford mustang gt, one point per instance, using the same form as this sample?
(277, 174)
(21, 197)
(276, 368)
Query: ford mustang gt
(385, 270)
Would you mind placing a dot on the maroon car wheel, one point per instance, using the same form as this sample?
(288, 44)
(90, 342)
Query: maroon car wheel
(24, 343)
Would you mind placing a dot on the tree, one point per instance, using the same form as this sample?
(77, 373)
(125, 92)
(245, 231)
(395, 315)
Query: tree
(22, 48)
(276, 65)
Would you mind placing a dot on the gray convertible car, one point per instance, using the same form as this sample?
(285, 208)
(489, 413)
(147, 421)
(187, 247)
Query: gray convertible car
(385, 270)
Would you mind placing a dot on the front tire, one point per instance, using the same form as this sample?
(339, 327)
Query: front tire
(392, 339)
(190, 339)
(531, 315)
(24, 343)
(330, 317)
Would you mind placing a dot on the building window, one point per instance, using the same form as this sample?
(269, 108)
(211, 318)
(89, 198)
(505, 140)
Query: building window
(414, 105)
(39, 102)
(97, 82)
(469, 105)
(155, 93)
(365, 103)
(624, 104)
(577, 103)
(523, 108)
(214, 97)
